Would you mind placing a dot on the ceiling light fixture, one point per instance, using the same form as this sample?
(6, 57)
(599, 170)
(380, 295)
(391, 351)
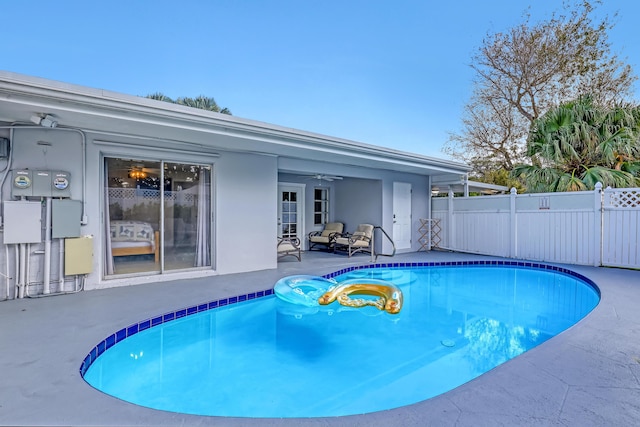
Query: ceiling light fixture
(136, 174)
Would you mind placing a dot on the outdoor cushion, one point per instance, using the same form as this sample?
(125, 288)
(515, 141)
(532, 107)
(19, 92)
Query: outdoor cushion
(324, 237)
(359, 240)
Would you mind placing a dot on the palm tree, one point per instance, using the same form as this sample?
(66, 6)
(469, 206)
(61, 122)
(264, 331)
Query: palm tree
(202, 102)
(576, 145)
(159, 96)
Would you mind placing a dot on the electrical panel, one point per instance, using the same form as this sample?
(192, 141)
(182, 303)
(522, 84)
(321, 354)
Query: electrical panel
(22, 222)
(65, 218)
(32, 183)
(78, 256)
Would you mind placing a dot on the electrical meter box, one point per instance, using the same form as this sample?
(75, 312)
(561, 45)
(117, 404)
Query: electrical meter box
(60, 184)
(22, 183)
(29, 183)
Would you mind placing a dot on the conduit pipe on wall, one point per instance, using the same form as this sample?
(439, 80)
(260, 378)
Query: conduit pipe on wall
(6, 266)
(47, 247)
(61, 265)
(17, 271)
(23, 270)
(27, 274)
(9, 161)
(6, 276)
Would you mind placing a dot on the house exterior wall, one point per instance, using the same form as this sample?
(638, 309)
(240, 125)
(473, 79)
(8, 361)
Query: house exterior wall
(243, 186)
(359, 201)
(246, 207)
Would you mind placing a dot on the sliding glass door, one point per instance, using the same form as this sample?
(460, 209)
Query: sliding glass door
(187, 218)
(157, 216)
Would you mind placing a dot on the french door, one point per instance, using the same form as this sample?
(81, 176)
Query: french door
(291, 210)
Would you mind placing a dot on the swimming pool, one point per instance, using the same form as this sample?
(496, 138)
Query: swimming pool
(257, 356)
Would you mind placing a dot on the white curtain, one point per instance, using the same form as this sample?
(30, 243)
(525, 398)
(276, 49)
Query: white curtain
(108, 258)
(203, 232)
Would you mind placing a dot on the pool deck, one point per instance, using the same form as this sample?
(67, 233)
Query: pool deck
(588, 375)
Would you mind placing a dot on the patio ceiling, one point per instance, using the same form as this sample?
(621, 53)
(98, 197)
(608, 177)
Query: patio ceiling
(109, 115)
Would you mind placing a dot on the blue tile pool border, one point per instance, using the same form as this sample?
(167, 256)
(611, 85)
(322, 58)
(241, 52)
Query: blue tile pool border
(135, 328)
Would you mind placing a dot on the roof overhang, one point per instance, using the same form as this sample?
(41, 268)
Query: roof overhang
(463, 185)
(140, 120)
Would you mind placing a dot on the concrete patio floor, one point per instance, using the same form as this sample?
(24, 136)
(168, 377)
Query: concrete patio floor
(587, 376)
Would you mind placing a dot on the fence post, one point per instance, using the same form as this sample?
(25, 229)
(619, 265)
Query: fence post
(513, 237)
(598, 209)
(450, 231)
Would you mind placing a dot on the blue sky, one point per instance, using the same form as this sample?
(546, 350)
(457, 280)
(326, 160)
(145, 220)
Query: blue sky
(388, 73)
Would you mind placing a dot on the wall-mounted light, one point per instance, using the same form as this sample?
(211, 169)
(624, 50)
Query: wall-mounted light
(44, 120)
(137, 174)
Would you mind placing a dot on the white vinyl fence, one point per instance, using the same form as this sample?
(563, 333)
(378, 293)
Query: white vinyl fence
(621, 228)
(600, 227)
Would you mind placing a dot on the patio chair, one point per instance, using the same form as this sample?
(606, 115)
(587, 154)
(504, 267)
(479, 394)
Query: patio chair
(324, 239)
(289, 246)
(358, 241)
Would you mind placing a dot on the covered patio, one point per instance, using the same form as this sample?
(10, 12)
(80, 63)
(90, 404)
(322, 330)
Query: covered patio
(588, 375)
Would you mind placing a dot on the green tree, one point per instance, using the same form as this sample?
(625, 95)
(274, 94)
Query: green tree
(524, 72)
(500, 177)
(201, 102)
(580, 143)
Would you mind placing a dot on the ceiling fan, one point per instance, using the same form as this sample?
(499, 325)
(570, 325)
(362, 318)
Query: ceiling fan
(322, 177)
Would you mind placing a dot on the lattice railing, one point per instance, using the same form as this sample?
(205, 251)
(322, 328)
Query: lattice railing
(627, 198)
(147, 194)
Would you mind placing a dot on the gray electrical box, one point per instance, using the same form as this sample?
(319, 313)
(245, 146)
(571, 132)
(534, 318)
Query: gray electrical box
(65, 218)
(22, 222)
(41, 184)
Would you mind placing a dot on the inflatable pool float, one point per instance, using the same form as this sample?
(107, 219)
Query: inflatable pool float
(302, 290)
(396, 276)
(389, 296)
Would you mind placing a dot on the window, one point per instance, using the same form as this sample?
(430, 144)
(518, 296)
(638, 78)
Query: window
(320, 206)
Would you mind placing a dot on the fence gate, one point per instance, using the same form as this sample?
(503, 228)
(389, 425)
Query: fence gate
(621, 227)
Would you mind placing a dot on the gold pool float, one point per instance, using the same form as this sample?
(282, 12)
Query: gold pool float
(390, 296)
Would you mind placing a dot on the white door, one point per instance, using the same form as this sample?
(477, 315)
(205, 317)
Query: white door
(402, 215)
(291, 210)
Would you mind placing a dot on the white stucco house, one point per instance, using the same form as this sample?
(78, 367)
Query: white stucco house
(111, 189)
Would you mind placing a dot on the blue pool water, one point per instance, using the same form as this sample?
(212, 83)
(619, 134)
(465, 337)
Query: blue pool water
(265, 357)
